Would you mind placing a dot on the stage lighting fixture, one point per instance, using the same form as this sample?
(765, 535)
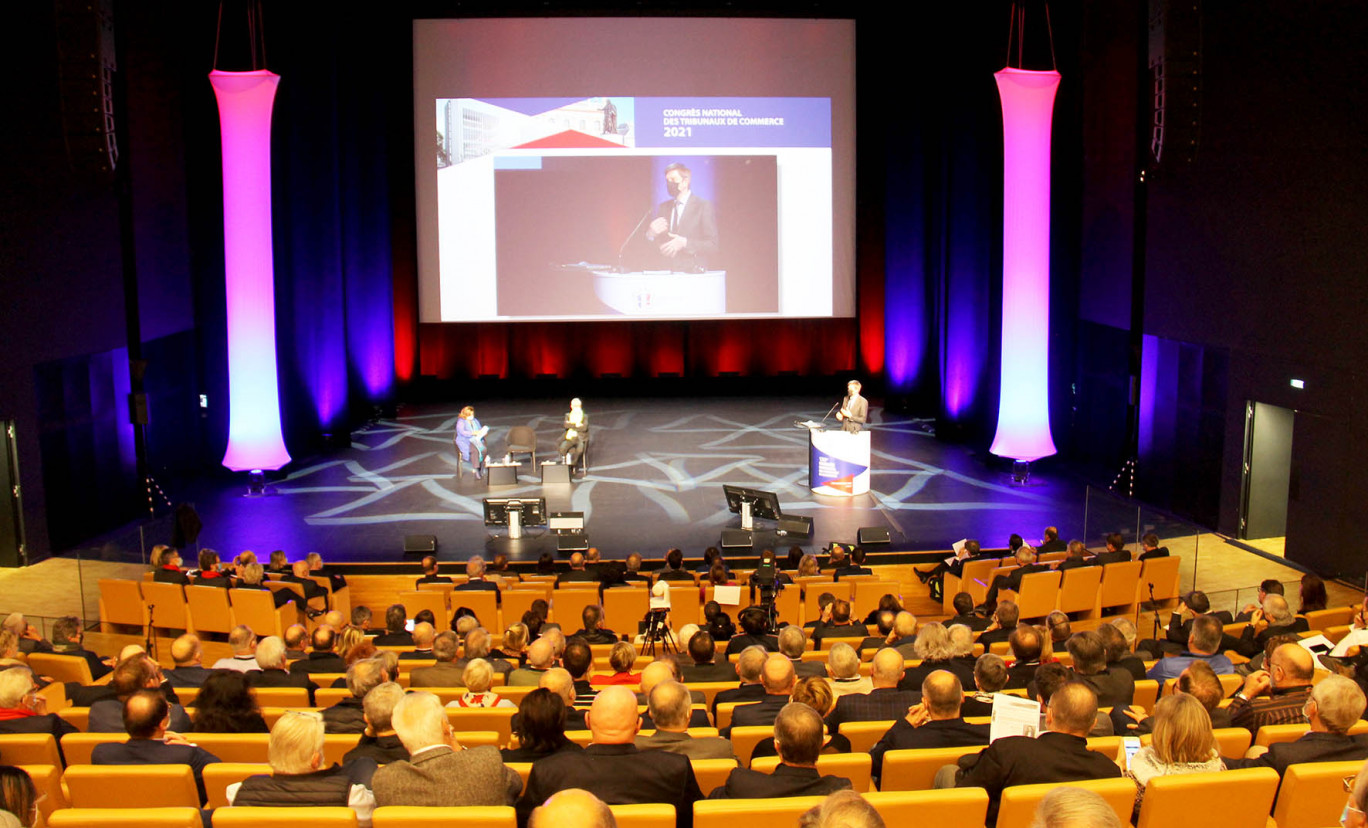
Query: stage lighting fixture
(1296, 383)
(1023, 428)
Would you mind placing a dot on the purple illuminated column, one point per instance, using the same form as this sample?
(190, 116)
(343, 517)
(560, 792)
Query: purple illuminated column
(1023, 429)
(244, 102)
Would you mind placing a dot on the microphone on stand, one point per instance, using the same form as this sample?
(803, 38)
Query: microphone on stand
(829, 410)
(623, 250)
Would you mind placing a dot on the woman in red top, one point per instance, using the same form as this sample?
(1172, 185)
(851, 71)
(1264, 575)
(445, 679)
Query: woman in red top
(166, 564)
(622, 658)
(717, 576)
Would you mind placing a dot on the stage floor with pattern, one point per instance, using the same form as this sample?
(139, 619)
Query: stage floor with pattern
(656, 470)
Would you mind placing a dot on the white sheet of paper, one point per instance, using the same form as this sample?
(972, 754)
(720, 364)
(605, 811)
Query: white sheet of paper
(958, 546)
(1013, 716)
(729, 596)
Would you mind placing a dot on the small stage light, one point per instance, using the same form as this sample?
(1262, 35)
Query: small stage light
(1296, 383)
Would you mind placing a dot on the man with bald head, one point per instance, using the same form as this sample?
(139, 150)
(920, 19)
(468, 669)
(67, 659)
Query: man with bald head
(666, 668)
(321, 658)
(669, 712)
(798, 737)
(573, 807)
(188, 655)
(748, 667)
(612, 768)
(314, 594)
(577, 571)
(1287, 681)
(1274, 618)
(541, 656)
(423, 636)
(1059, 755)
(147, 720)
(884, 702)
(935, 722)
(559, 681)
(777, 677)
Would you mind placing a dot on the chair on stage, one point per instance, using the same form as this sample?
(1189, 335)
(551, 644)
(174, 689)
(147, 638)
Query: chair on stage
(523, 440)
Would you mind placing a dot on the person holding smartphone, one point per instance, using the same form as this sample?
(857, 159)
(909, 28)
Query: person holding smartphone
(1183, 742)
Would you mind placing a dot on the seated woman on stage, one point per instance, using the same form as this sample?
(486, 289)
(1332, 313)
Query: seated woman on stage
(470, 442)
(576, 433)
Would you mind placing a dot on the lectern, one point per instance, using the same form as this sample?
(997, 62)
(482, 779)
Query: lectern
(838, 462)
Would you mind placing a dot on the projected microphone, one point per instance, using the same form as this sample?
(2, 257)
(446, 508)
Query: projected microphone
(623, 250)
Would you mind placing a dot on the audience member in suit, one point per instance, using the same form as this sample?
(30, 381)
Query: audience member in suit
(705, 667)
(348, 715)
(936, 722)
(251, 579)
(593, 631)
(748, 669)
(439, 773)
(187, 654)
(1288, 684)
(824, 602)
(1179, 628)
(476, 580)
(1274, 619)
(792, 644)
(670, 711)
(612, 768)
(540, 726)
(209, 574)
(815, 693)
(541, 656)
(66, 640)
(380, 742)
(841, 625)
(478, 645)
(1197, 681)
(423, 635)
(1119, 656)
(167, 568)
(1078, 557)
(990, 676)
(429, 566)
(321, 658)
(134, 673)
(1116, 551)
(1267, 587)
(22, 710)
(572, 807)
(855, 566)
(904, 635)
(1026, 564)
(963, 604)
(884, 623)
(843, 665)
(1051, 542)
(319, 570)
(753, 624)
(313, 591)
(666, 668)
(798, 737)
(296, 638)
(1060, 629)
(1004, 621)
(633, 574)
(971, 551)
(674, 568)
(938, 650)
(275, 670)
(1115, 688)
(1058, 755)
(1203, 643)
(444, 673)
(225, 704)
(1336, 703)
(577, 573)
(777, 677)
(147, 717)
(1026, 645)
(1151, 548)
(395, 635)
(886, 701)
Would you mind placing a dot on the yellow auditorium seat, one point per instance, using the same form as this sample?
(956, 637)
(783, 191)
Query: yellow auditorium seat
(1163, 573)
(291, 697)
(48, 780)
(77, 717)
(61, 667)
(210, 611)
(712, 773)
(126, 818)
(497, 719)
(744, 740)
(336, 745)
(131, 786)
(328, 696)
(169, 611)
(522, 769)
(76, 747)
(29, 749)
(1019, 802)
(651, 815)
(1078, 589)
(400, 816)
(257, 609)
(1038, 595)
(326, 817)
(415, 601)
(1233, 797)
(710, 689)
(852, 766)
(1312, 795)
(121, 603)
(950, 808)
(1119, 583)
(235, 747)
(1146, 693)
(864, 735)
(219, 775)
(483, 602)
(915, 770)
(752, 813)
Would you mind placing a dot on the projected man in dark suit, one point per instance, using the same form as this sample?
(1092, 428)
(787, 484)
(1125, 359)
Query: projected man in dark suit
(685, 226)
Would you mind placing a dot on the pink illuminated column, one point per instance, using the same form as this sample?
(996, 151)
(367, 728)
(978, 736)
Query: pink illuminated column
(1023, 429)
(244, 102)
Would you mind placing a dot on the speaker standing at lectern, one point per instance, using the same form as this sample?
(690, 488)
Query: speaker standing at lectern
(854, 409)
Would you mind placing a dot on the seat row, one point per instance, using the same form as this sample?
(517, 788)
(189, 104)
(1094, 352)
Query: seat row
(1092, 590)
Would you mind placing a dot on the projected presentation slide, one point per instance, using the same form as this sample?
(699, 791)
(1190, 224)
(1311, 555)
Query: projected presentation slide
(622, 207)
(634, 168)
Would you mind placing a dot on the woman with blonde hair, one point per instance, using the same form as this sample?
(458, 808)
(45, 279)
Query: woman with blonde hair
(622, 658)
(478, 677)
(815, 692)
(807, 566)
(1182, 743)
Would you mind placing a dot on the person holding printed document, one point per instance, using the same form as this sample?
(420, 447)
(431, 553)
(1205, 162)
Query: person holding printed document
(576, 432)
(854, 409)
(470, 440)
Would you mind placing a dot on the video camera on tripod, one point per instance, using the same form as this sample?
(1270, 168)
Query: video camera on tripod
(656, 624)
(765, 581)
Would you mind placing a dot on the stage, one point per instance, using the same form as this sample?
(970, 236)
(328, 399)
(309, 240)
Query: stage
(656, 470)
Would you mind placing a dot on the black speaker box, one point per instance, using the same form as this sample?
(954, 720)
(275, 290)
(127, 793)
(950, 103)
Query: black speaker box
(736, 539)
(420, 543)
(870, 535)
(796, 525)
(572, 542)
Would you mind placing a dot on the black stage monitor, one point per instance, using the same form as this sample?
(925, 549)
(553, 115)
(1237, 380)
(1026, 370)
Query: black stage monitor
(763, 504)
(496, 510)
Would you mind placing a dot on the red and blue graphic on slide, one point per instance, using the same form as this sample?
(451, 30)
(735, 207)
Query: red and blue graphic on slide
(835, 473)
